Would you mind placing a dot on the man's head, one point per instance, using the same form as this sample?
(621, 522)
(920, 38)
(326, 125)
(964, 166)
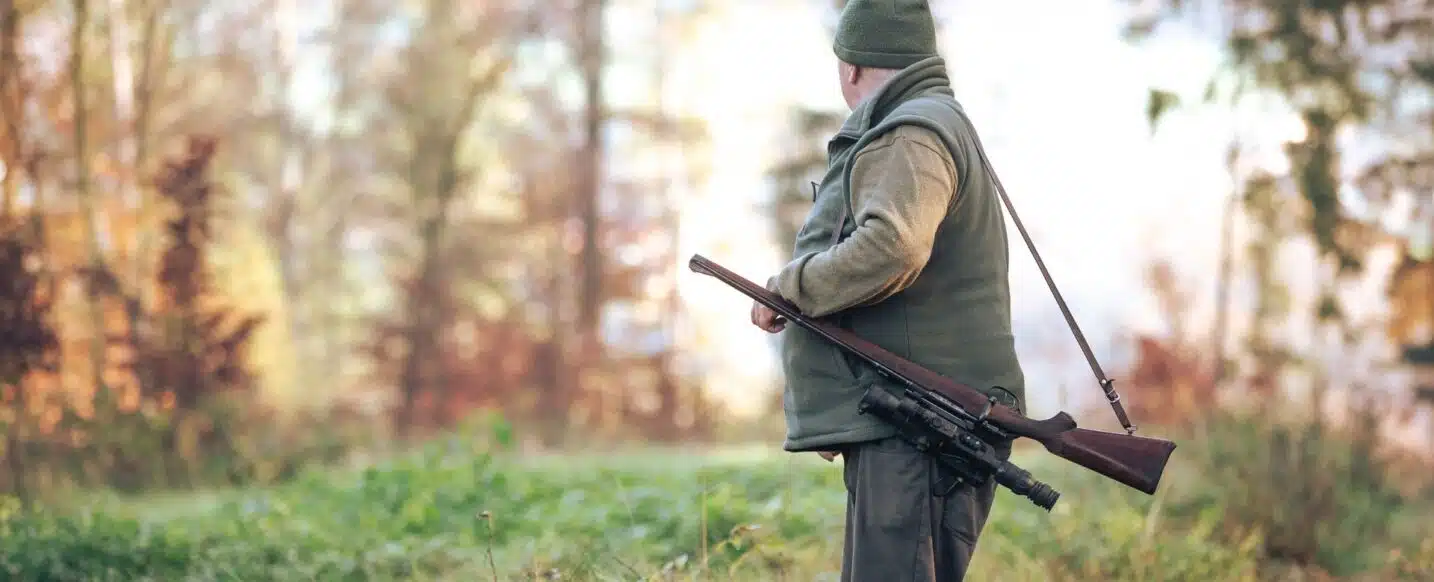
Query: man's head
(877, 38)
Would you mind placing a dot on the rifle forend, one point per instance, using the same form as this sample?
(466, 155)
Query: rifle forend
(1138, 462)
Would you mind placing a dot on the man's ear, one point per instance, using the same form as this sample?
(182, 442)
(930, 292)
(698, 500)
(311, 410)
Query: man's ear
(853, 74)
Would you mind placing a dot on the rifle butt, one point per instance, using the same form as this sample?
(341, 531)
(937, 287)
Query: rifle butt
(1138, 462)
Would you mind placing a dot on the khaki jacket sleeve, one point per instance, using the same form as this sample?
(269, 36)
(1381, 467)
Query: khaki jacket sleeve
(903, 186)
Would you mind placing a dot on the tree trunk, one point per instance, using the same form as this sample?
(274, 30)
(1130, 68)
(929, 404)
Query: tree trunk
(333, 327)
(1222, 290)
(415, 375)
(151, 75)
(1222, 282)
(590, 163)
(437, 158)
(667, 384)
(124, 80)
(12, 105)
(549, 373)
(90, 210)
(11, 108)
(589, 212)
(287, 205)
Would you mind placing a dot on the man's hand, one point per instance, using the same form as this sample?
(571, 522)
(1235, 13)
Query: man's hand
(829, 455)
(768, 320)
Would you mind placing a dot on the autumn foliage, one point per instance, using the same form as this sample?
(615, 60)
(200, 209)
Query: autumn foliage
(30, 344)
(196, 418)
(30, 341)
(191, 346)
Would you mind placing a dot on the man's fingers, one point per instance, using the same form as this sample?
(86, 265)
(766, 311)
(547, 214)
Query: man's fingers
(760, 316)
(775, 324)
(766, 319)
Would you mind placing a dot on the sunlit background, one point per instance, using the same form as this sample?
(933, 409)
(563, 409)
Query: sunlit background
(248, 245)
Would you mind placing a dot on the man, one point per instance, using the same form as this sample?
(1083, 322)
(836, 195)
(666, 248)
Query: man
(905, 245)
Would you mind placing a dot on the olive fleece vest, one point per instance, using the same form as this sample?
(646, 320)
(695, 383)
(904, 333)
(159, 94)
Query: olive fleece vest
(954, 319)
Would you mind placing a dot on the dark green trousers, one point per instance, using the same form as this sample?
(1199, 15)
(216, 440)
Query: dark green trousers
(897, 528)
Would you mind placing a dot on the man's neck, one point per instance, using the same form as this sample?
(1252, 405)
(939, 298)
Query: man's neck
(873, 84)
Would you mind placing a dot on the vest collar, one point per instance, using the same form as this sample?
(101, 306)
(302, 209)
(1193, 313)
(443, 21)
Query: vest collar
(923, 76)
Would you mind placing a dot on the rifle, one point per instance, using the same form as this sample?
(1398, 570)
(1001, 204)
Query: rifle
(956, 422)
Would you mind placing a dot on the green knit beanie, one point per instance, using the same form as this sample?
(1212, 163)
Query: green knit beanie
(885, 34)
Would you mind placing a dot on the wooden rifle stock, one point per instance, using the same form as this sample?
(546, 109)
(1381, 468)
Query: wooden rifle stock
(1138, 462)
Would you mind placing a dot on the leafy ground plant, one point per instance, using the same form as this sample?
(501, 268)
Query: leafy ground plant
(452, 513)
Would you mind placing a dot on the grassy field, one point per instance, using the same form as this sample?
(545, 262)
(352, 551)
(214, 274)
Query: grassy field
(453, 513)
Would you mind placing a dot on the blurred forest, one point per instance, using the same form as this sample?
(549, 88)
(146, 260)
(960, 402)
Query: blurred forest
(242, 239)
(214, 255)
(226, 258)
(1356, 190)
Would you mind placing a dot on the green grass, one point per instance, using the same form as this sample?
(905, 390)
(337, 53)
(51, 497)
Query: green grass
(451, 513)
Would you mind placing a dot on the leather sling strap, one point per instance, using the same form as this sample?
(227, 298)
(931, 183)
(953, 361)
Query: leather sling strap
(1106, 384)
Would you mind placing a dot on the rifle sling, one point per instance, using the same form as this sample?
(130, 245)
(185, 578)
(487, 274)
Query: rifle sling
(1106, 384)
